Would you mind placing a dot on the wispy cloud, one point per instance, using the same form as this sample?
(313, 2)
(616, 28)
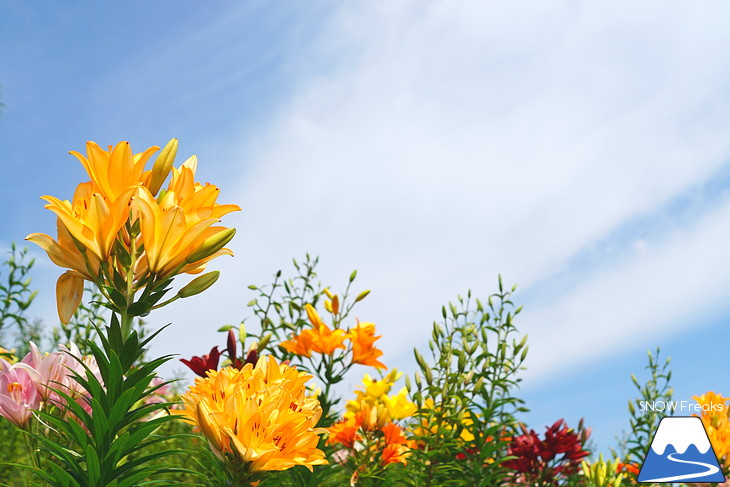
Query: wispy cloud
(647, 295)
(451, 141)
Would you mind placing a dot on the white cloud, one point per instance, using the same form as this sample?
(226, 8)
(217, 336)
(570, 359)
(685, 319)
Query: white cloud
(641, 300)
(447, 141)
(455, 140)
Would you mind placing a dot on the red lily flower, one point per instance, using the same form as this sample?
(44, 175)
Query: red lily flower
(251, 358)
(463, 455)
(556, 457)
(200, 365)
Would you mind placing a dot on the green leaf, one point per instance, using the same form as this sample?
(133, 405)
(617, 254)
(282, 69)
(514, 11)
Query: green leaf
(117, 298)
(140, 308)
(92, 465)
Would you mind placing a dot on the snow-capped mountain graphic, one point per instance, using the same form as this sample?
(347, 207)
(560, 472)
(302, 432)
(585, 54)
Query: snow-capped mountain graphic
(681, 451)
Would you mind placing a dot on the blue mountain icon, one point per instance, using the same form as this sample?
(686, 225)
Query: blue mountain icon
(681, 451)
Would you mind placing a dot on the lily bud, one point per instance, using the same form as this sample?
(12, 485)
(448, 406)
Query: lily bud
(264, 341)
(199, 284)
(362, 295)
(313, 316)
(232, 346)
(162, 166)
(211, 245)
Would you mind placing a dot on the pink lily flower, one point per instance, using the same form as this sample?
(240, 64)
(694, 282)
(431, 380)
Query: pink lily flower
(53, 370)
(18, 392)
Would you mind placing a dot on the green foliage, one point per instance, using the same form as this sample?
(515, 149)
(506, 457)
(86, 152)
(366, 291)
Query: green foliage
(281, 313)
(114, 425)
(279, 307)
(83, 327)
(13, 450)
(643, 423)
(466, 393)
(16, 297)
(323, 476)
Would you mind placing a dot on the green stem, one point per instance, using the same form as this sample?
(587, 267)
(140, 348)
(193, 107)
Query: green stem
(326, 402)
(128, 319)
(33, 453)
(241, 476)
(126, 323)
(165, 303)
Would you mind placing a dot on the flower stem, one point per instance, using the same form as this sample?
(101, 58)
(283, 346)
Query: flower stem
(128, 319)
(33, 453)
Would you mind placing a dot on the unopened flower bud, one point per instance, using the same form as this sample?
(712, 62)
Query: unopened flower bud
(162, 166)
(211, 245)
(199, 284)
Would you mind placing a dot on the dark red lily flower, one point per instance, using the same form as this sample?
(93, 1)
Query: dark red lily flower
(200, 365)
(556, 457)
(251, 358)
(469, 452)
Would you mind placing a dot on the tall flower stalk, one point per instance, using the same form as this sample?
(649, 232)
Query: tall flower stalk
(325, 345)
(129, 235)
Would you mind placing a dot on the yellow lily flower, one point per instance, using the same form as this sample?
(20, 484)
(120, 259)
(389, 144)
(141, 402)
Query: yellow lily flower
(176, 227)
(65, 253)
(259, 415)
(97, 236)
(374, 407)
(69, 290)
(116, 170)
(91, 219)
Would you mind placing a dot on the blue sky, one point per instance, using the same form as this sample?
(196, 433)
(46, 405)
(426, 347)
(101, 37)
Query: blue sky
(580, 150)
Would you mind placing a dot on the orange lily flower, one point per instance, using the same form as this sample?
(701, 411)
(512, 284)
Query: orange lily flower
(627, 467)
(325, 340)
(716, 418)
(320, 338)
(397, 447)
(363, 352)
(345, 432)
(300, 344)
